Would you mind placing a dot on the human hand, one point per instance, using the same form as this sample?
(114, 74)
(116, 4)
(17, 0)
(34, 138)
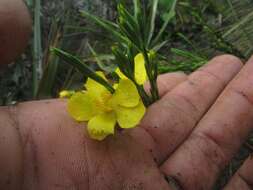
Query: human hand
(189, 136)
(15, 29)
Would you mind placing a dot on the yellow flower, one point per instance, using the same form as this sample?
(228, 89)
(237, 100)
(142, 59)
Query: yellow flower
(140, 72)
(103, 110)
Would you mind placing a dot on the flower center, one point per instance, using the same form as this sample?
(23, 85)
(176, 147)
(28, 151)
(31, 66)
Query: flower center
(102, 102)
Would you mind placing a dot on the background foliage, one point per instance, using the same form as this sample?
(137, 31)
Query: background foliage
(197, 31)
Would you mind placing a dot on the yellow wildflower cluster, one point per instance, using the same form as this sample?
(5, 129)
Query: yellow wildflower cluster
(103, 110)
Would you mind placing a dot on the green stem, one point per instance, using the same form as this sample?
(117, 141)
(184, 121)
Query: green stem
(144, 96)
(37, 48)
(152, 72)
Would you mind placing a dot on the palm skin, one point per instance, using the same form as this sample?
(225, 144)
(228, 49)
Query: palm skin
(60, 155)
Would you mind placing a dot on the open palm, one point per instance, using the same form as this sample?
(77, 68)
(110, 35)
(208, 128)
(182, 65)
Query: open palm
(186, 138)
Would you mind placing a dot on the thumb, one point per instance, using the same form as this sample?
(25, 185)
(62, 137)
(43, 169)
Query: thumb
(15, 29)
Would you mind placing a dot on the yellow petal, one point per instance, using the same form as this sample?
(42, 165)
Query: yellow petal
(126, 94)
(66, 94)
(81, 107)
(101, 126)
(95, 89)
(115, 86)
(120, 74)
(130, 117)
(139, 69)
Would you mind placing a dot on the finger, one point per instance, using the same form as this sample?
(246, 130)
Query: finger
(15, 28)
(167, 82)
(218, 136)
(243, 179)
(170, 120)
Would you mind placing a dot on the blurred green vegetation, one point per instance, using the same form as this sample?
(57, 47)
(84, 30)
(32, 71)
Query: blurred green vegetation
(196, 31)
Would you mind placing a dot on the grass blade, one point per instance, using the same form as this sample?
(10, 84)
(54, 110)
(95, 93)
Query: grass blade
(51, 63)
(152, 20)
(107, 68)
(37, 48)
(110, 27)
(169, 16)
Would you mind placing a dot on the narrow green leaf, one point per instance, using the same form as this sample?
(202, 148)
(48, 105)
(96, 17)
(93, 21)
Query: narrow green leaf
(122, 62)
(131, 35)
(152, 19)
(50, 62)
(137, 8)
(81, 67)
(108, 68)
(187, 40)
(238, 25)
(159, 45)
(171, 14)
(127, 19)
(110, 27)
(185, 54)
